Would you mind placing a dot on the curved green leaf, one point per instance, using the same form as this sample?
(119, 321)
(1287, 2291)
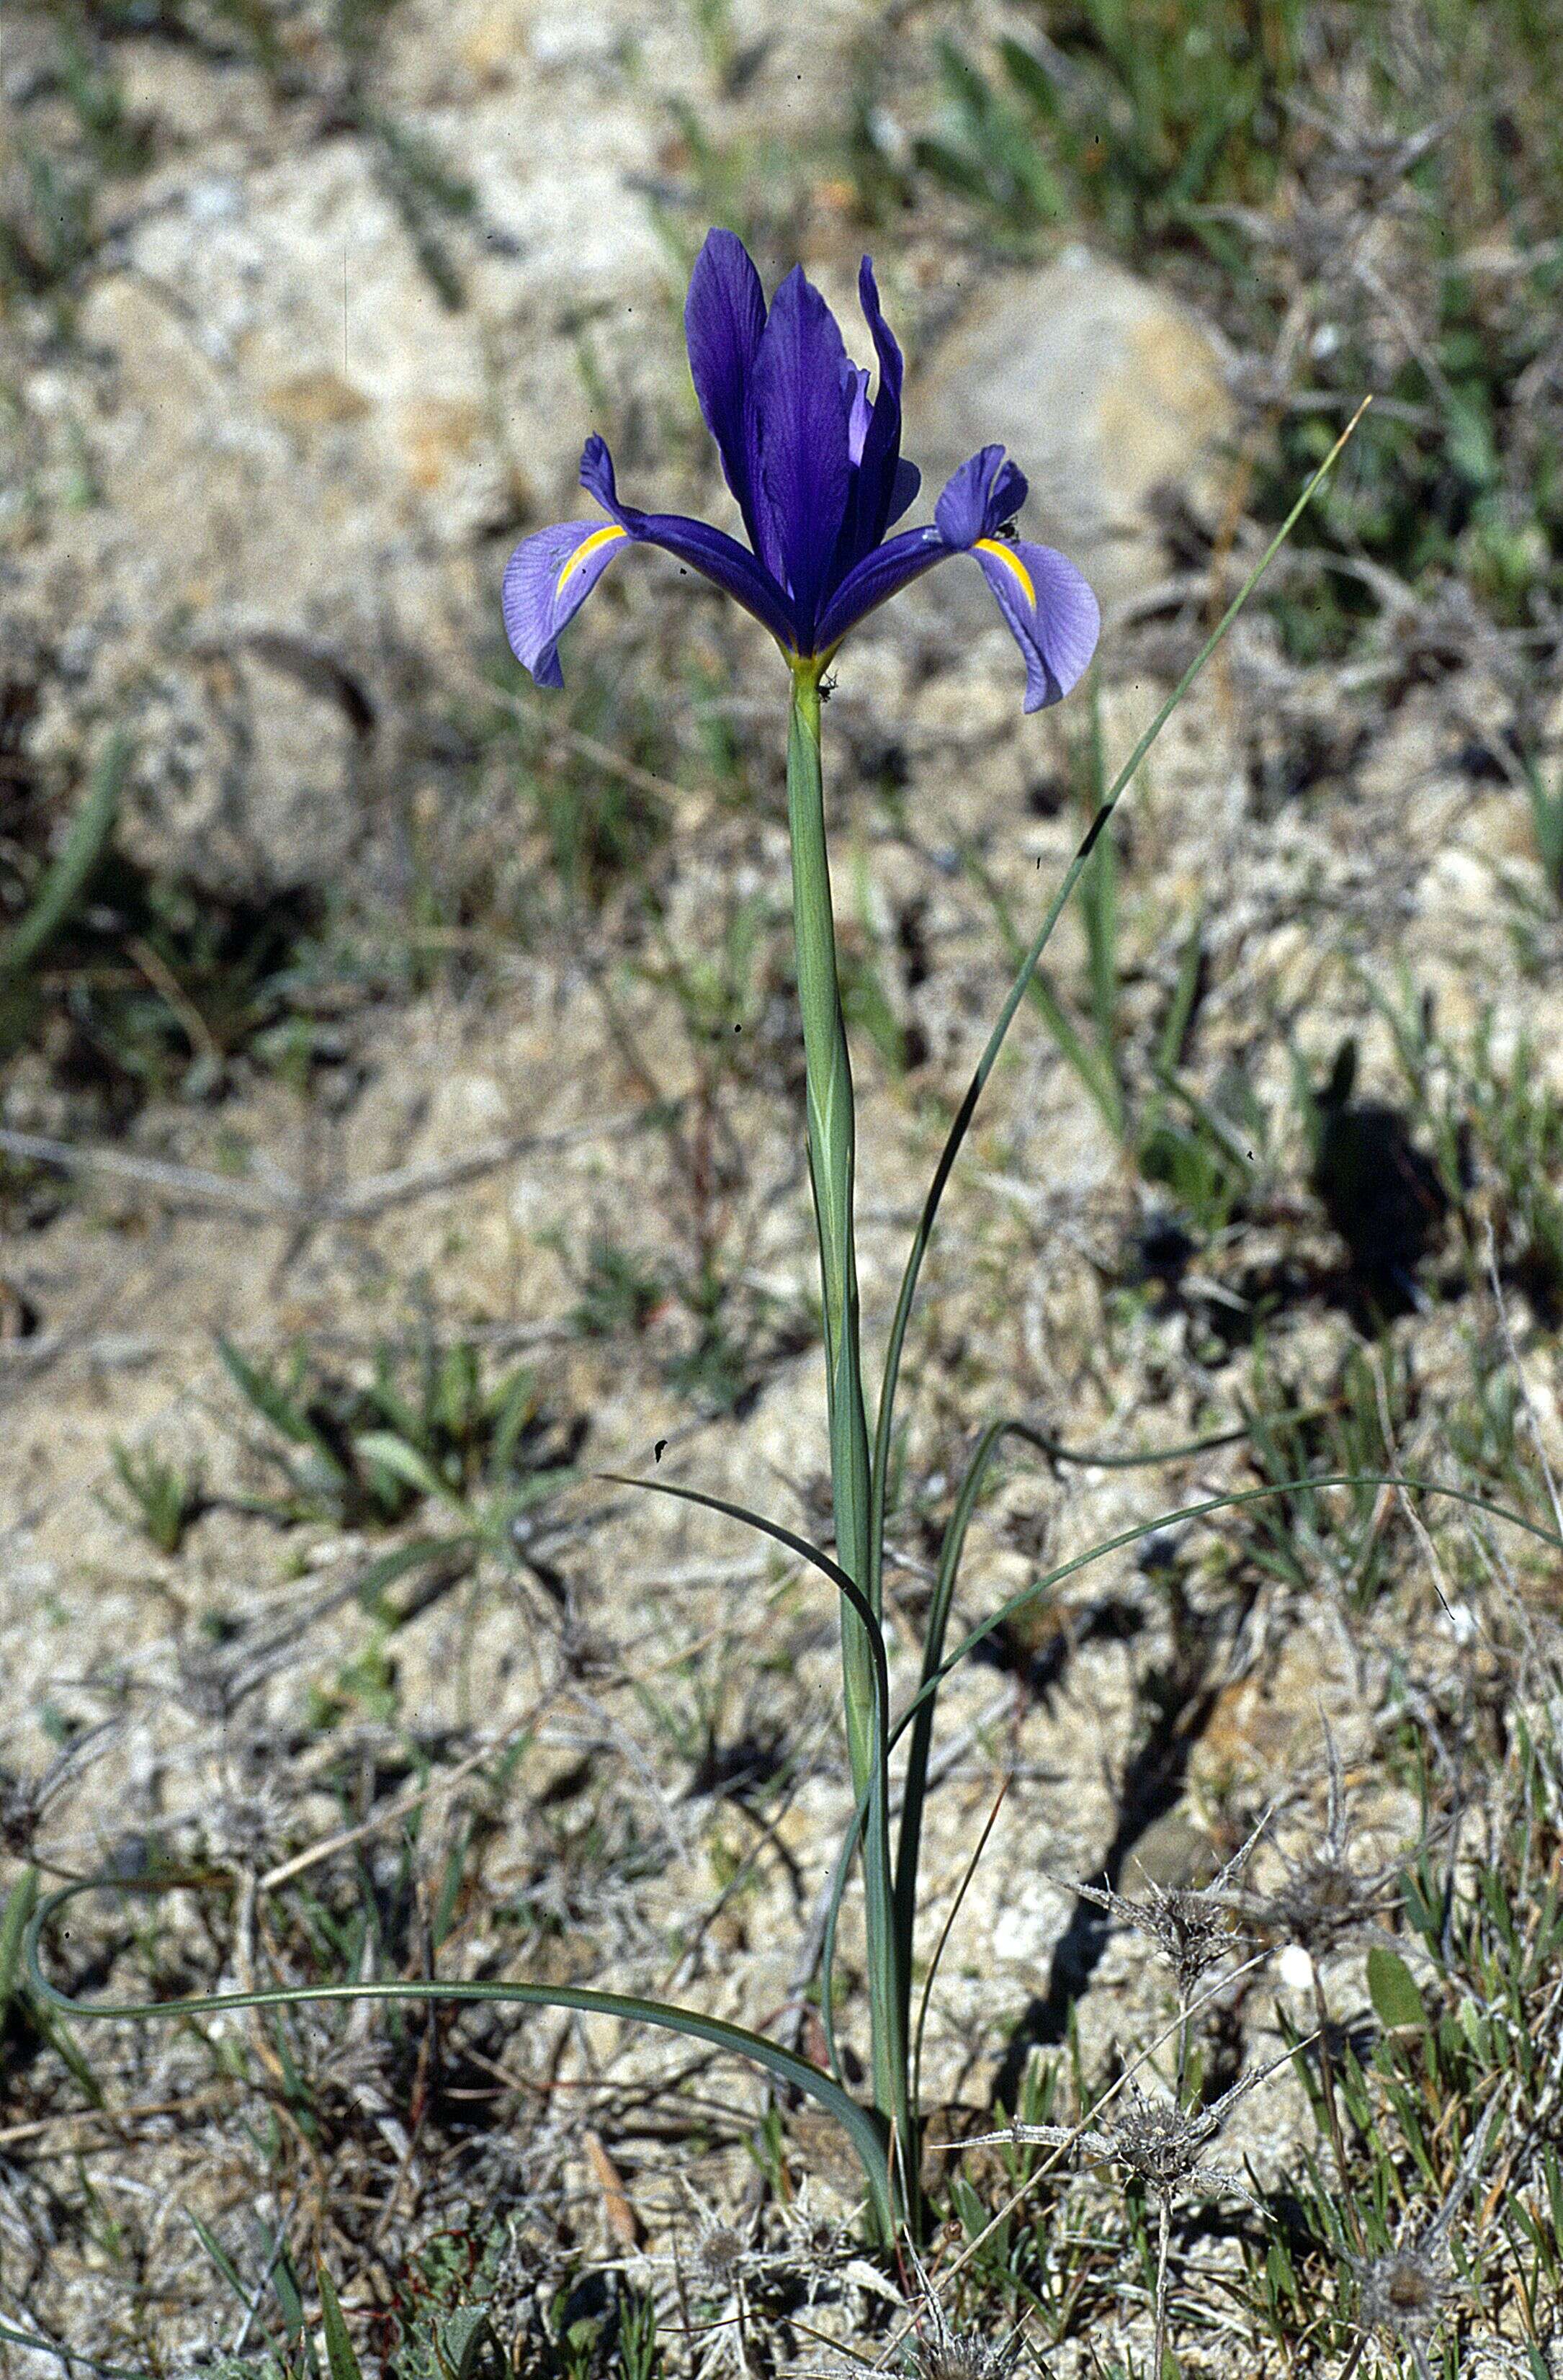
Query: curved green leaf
(1208, 1504)
(861, 2126)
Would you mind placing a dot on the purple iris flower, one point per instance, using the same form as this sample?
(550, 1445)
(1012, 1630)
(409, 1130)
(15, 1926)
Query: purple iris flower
(816, 471)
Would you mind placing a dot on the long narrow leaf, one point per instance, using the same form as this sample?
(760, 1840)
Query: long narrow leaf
(66, 877)
(340, 2359)
(888, 1986)
(1199, 1512)
(984, 1065)
(219, 2256)
(861, 2124)
(849, 1841)
(940, 1946)
(794, 1544)
(908, 1850)
(14, 1915)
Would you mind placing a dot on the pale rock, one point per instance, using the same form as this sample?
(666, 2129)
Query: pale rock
(1105, 390)
(297, 449)
(1031, 1921)
(248, 768)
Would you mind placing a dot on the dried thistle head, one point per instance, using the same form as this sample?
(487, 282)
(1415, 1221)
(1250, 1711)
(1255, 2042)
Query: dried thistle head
(1163, 2145)
(249, 1821)
(937, 2350)
(1403, 2292)
(718, 2257)
(1324, 1901)
(1158, 2142)
(1192, 1926)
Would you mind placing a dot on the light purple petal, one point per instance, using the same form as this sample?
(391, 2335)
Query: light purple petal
(1051, 613)
(860, 411)
(550, 573)
(723, 317)
(800, 417)
(547, 579)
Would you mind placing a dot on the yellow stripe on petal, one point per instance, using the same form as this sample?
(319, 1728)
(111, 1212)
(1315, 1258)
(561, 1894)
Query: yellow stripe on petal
(1012, 562)
(590, 545)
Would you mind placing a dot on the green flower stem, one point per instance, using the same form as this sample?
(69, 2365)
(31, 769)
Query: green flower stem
(832, 1162)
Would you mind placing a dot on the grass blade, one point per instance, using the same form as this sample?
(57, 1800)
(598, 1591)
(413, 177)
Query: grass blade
(794, 1544)
(908, 1849)
(984, 1065)
(340, 2359)
(945, 1933)
(67, 874)
(1232, 1501)
(862, 2125)
(17, 1908)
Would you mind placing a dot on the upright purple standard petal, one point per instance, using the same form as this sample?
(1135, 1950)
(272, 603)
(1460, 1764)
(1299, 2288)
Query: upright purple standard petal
(802, 415)
(723, 317)
(1050, 611)
(883, 489)
(881, 486)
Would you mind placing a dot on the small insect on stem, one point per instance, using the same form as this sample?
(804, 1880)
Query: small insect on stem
(827, 689)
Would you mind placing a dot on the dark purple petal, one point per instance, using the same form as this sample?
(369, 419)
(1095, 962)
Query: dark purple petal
(709, 551)
(723, 317)
(1005, 496)
(598, 476)
(878, 472)
(1051, 613)
(962, 511)
(801, 425)
(903, 491)
(881, 486)
(547, 579)
(872, 581)
(724, 562)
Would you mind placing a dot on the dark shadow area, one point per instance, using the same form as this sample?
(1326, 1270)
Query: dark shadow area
(1153, 1785)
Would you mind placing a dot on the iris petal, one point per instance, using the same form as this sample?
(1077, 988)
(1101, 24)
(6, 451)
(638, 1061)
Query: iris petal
(817, 473)
(879, 470)
(903, 491)
(1050, 611)
(547, 579)
(882, 574)
(801, 422)
(962, 511)
(723, 318)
